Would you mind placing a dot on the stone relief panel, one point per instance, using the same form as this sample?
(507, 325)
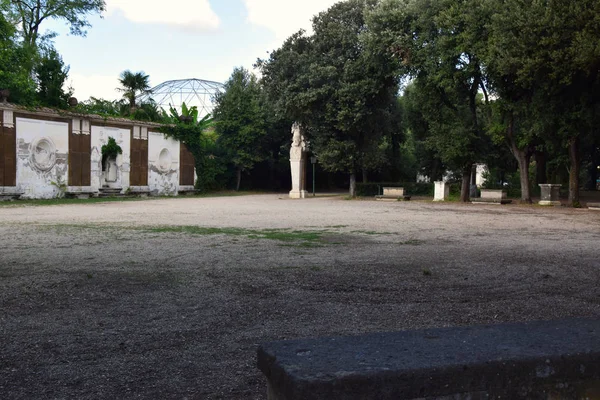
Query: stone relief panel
(42, 157)
(163, 168)
(43, 154)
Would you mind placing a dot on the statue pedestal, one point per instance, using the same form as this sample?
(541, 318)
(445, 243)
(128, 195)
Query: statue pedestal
(298, 187)
(550, 195)
(442, 191)
(302, 194)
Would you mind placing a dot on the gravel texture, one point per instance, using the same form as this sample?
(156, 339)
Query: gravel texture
(141, 300)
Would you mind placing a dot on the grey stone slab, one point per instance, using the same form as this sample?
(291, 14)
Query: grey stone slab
(509, 361)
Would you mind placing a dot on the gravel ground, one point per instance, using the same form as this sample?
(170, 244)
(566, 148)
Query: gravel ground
(142, 300)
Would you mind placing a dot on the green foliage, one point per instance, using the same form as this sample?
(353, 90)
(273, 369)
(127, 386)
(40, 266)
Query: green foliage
(340, 92)
(201, 140)
(110, 150)
(29, 15)
(438, 43)
(51, 75)
(241, 120)
(133, 84)
(15, 61)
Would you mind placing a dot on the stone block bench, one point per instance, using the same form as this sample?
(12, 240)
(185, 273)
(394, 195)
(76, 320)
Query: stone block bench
(532, 360)
(492, 196)
(594, 206)
(8, 193)
(393, 193)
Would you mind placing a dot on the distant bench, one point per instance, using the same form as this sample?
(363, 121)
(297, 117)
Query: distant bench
(492, 196)
(393, 193)
(532, 360)
(594, 206)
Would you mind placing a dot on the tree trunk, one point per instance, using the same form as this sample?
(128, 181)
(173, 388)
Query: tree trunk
(593, 169)
(239, 179)
(523, 159)
(365, 176)
(353, 184)
(466, 184)
(574, 173)
(540, 168)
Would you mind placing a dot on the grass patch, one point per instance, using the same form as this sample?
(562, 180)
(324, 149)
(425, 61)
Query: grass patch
(413, 242)
(61, 202)
(96, 200)
(372, 233)
(306, 238)
(426, 272)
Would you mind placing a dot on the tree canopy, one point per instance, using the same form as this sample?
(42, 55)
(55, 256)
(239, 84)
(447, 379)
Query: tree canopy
(330, 83)
(29, 15)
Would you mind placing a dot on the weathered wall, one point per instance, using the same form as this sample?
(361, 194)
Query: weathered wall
(100, 136)
(42, 157)
(163, 160)
(42, 148)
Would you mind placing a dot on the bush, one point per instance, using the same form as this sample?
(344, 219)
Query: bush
(410, 188)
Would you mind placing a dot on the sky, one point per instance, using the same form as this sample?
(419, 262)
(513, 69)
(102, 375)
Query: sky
(177, 39)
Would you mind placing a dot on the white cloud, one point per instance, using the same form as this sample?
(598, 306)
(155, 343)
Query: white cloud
(285, 17)
(195, 15)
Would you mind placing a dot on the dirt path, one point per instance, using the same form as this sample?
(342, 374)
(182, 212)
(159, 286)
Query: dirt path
(169, 298)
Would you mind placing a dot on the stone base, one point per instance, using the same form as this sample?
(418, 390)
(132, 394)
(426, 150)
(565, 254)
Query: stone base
(302, 194)
(494, 201)
(594, 206)
(550, 203)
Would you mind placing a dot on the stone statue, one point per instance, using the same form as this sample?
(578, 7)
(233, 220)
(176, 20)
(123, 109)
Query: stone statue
(297, 162)
(298, 143)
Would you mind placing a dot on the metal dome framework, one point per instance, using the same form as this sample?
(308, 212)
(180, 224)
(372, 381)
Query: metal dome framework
(192, 92)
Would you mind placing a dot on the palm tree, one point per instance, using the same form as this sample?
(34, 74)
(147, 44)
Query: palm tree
(132, 85)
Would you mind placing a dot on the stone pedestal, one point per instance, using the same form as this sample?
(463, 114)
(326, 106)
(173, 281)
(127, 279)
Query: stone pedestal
(550, 195)
(442, 191)
(473, 191)
(298, 185)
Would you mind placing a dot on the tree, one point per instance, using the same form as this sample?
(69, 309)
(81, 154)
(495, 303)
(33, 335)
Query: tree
(241, 121)
(14, 66)
(133, 85)
(438, 43)
(338, 91)
(29, 15)
(544, 60)
(199, 138)
(51, 75)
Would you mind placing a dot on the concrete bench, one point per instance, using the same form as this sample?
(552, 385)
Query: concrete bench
(532, 360)
(594, 206)
(393, 193)
(492, 196)
(8, 193)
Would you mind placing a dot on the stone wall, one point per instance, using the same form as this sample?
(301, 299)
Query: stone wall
(42, 148)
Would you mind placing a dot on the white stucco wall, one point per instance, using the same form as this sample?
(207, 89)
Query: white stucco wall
(100, 135)
(163, 164)
(42, 157)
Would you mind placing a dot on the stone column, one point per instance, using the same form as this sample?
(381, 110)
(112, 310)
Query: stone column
(442, 191)
(297, 164)
(550, 195)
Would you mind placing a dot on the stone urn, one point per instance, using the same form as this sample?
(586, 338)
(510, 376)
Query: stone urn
(4, 94)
